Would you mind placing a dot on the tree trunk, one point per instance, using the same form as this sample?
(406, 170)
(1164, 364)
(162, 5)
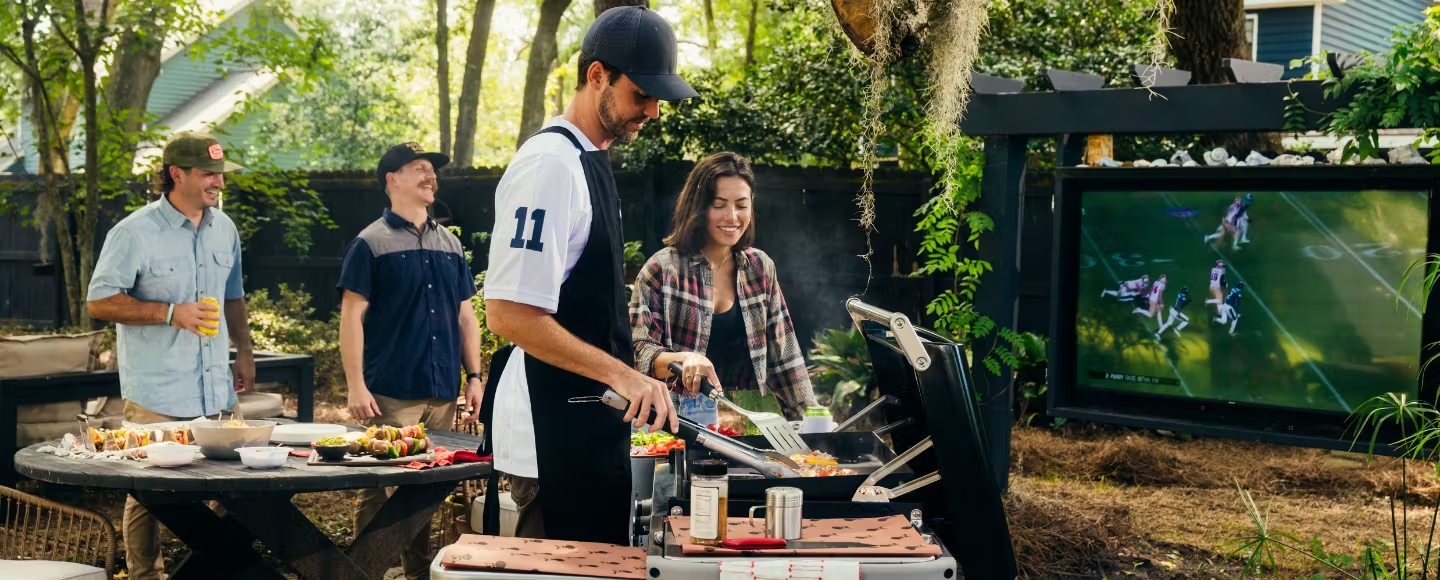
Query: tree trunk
(602, 5)
(559, 94)
(1206, 33)
(442, 71)
(89, 41)
(750, 35)
(52, 208)
(537, 71)
(470, 84)
(710, 29)
(133, 71)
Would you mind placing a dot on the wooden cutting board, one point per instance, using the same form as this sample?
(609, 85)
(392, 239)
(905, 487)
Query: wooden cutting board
(524, 555)
(888, 536)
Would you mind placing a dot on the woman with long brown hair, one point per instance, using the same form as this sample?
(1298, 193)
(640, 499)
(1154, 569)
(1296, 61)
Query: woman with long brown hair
(711, 302)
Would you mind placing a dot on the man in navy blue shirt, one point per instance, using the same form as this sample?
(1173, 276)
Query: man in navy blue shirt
(406, 324)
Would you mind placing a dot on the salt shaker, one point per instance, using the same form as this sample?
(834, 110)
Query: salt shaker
(782, 512)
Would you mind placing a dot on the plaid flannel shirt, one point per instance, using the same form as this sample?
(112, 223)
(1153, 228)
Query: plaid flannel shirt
(672, 308)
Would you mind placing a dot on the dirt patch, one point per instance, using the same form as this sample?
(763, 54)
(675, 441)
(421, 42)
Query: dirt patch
(1181, 508)
(1059, 534)
(1143, 458)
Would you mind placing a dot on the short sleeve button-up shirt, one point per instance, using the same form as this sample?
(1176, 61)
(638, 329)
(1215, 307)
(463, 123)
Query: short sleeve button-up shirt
(415, 281)
(156, 254)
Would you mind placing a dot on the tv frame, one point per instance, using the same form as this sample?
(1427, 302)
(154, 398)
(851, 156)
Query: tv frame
(1214, 417)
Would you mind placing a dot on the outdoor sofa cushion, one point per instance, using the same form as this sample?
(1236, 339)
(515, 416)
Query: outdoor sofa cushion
(45, 570)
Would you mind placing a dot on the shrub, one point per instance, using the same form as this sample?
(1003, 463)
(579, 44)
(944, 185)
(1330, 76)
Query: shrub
(840, 371)
(285, 325)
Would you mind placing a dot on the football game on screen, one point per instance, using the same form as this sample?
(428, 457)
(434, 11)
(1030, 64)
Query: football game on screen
(1268, 297)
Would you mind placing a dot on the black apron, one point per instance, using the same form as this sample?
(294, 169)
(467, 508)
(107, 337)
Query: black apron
(583, 449)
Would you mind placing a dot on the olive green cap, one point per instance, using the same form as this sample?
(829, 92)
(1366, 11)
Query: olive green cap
(193, 149)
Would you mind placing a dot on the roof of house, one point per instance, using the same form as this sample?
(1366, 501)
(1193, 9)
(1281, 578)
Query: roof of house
(189, 94)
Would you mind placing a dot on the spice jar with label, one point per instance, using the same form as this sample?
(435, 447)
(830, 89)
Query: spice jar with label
(709, 500)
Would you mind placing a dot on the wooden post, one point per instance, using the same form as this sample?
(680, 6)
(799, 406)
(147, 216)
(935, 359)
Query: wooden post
(1001, 198)
(1097, 147)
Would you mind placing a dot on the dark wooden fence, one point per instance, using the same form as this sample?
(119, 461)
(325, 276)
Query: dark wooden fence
(806, 219)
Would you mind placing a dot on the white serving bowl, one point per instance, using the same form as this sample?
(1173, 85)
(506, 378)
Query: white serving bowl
(263, 457)
(169, 455)
(218, 442)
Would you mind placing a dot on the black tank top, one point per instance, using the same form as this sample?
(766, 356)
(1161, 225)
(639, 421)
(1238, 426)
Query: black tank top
(729, 349)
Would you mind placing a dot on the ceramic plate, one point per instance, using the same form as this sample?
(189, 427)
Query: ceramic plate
(160, 425)
(304, 433)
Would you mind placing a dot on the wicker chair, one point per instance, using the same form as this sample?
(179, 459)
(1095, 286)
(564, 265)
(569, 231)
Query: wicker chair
(35, 528)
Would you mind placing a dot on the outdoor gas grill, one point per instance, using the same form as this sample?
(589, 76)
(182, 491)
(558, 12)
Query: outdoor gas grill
(939, 483)
(923, 381)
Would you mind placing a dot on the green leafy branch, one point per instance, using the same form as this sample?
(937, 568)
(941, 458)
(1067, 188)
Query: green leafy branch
(1398, 88)
(941, 217)
(276, 196)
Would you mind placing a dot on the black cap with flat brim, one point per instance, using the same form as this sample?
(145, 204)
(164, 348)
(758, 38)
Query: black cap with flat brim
(402, 154)
(639, 43)
(196, 150)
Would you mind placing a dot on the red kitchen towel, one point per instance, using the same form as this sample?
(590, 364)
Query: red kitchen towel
(521, 555)
(467, 456)
(445, 457)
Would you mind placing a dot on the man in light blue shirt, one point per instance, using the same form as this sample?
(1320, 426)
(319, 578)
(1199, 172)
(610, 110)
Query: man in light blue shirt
(155, 268)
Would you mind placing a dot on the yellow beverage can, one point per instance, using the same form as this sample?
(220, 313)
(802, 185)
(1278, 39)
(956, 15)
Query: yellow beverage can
(216, 304)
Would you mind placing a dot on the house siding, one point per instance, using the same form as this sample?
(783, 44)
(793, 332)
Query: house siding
(1283, 35)
(1366, 25)
(239, 132)
(186, 74)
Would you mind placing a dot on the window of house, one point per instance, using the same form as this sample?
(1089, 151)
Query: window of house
(1252, 25)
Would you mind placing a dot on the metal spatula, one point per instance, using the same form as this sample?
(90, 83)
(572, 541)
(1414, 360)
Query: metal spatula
(774, 427)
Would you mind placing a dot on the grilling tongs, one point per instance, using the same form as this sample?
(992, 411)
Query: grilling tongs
(770, 464)
(776, 429)
(870, 492)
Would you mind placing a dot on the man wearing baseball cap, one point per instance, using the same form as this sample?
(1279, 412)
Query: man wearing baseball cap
(556, 289)
(406, 324)
(154, 269)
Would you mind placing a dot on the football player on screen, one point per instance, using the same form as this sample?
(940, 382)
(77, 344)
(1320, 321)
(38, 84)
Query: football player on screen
(1228, 313)
(1156, 299)
(1227, 225)
(1181, 301)
(1242, 220)
(1129, 289)
(1217, 283)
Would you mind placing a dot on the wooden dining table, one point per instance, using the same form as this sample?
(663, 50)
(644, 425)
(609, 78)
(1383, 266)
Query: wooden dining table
(257, 506)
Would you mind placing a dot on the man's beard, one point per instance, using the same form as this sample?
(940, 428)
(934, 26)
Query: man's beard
(614, 127)
(205, 202)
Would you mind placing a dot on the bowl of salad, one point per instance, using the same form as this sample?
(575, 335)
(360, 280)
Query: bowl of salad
(655, 444)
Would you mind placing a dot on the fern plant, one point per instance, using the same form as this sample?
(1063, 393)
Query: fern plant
(952, 313)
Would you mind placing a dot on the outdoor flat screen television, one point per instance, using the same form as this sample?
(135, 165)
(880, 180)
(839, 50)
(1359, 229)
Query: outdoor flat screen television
(1251, 302)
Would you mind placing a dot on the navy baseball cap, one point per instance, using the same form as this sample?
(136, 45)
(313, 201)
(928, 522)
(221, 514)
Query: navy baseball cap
(641, 44)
